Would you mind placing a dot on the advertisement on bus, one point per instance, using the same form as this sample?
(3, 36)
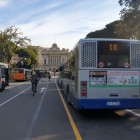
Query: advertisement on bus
(113, 78)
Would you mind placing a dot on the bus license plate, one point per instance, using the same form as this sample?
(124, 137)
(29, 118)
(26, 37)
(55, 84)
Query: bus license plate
(113, 103)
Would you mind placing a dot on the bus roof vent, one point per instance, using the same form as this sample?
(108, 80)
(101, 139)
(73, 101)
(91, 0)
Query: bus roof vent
(135, 54)
(88, 54)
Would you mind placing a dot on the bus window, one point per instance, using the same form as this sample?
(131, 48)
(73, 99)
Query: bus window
(113, 54)
(21, 70)
(3, 73)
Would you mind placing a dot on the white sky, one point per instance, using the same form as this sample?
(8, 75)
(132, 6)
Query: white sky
(57, 21)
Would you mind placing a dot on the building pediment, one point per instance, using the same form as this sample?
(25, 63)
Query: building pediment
(54, 47)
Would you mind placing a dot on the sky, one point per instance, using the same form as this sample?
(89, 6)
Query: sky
(63, 22)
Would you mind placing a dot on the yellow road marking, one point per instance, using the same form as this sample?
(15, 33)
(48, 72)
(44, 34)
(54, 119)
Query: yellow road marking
(73, 125)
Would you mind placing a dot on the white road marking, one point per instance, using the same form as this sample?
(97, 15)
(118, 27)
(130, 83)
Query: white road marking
(42, 89)
(136, 114)
(14, 96)
(35, 116)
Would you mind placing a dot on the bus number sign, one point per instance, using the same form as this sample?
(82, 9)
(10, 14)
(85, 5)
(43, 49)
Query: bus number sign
(113, 47)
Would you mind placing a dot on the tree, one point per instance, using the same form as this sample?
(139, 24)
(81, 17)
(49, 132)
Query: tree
(130, 16)
(10, 39)
(127, 27)
(31, 55)
(134, 4)
(108, 32)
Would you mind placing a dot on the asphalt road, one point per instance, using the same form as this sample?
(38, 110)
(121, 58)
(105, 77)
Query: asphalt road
(47, 116)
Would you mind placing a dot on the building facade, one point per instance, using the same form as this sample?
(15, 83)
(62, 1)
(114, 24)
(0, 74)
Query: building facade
(51, 58)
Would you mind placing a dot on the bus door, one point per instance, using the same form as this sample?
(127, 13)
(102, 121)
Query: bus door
(2, 78)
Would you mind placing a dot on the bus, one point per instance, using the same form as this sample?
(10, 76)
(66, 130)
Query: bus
(4, 76)
(102, 74)
(21, 74)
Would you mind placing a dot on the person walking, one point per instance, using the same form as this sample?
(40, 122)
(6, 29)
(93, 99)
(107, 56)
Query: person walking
(49, 76)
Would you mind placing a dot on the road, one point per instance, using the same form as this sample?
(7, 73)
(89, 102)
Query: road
(47, 116)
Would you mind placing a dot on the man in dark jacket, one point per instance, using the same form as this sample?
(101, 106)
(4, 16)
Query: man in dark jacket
(49, 76)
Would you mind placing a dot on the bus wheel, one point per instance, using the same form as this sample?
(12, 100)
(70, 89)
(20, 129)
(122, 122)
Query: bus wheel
(68, 96)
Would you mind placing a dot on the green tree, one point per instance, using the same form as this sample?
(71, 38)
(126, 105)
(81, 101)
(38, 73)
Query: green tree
(130, 16)
(108, 32)
(31, 55)
(10, 39)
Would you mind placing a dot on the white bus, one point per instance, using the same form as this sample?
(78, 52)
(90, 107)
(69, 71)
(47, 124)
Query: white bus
(4, 76)
(103, 74)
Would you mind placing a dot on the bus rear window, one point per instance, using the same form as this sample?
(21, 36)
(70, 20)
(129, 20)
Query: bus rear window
(113, 54)
(18, 70)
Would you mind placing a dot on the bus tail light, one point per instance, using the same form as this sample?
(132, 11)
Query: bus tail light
(83, 88)
(84, 83)
(83, 94)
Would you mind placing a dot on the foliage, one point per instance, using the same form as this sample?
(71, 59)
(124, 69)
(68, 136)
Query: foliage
(108, 32)
(130, 16)
(10, 39)
(126, 28)
(134, 4)
(31, 55)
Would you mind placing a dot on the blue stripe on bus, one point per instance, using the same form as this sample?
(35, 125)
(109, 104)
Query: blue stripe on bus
(107, 103)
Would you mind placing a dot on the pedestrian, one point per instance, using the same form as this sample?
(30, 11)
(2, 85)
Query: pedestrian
(49, 76)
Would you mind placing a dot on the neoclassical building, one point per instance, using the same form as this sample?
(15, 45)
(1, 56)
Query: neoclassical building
(51, 58)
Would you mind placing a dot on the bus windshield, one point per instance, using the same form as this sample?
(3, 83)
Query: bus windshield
(18, 70)
(113, 54)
